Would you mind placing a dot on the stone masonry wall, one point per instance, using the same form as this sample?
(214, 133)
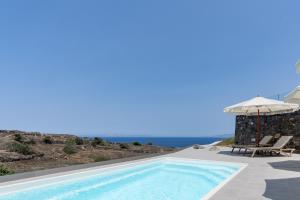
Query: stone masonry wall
(283, 124)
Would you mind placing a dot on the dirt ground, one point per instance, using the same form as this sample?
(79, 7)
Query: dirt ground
(42, 155)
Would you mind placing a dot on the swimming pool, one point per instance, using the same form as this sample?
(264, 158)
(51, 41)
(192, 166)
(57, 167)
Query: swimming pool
(154, 179)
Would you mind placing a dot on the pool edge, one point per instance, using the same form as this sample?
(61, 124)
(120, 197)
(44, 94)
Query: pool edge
(8, 187)
(226, 181)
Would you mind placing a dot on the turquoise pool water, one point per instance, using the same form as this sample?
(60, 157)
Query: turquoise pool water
(158, 180)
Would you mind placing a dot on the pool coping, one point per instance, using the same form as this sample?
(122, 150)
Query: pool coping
(223, 183)
(20, 185)
(38, 173)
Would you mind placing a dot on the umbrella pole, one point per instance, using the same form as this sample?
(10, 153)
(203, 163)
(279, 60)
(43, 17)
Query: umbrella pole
(258, 128)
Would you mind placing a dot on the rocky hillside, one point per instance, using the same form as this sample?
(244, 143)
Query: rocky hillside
(26, 151)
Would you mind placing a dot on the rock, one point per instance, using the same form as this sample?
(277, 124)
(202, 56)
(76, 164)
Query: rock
(197, 146)
(12, 156)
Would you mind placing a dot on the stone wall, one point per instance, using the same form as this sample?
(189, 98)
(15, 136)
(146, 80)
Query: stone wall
(283, 124)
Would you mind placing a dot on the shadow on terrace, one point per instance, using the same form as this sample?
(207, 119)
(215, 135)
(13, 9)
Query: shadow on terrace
(282, 189)
(290, 165)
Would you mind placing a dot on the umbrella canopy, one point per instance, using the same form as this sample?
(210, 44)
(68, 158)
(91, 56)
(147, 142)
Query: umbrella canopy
(294, 96)
(263, 105)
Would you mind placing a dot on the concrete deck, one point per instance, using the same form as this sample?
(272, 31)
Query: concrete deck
(276, 178)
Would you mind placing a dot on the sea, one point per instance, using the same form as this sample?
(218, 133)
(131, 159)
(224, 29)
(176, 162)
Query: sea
(177, 142)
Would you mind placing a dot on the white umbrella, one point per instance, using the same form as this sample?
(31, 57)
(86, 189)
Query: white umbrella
(261, 105)
(294, 96)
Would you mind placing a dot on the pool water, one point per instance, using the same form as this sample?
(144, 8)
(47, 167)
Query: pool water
(157, 180)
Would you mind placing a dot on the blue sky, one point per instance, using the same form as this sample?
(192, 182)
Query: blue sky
(151, 68)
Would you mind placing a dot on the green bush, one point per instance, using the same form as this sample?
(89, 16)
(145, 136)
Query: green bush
(98, 141)
(78, 141)
(36, 133)
(18, 137)
(30, 141)
(20, 148)
(226, 142)
(5, 171)
(124, 146)
(70, 147)
(47, 140)
(99, 157)
(137, 144)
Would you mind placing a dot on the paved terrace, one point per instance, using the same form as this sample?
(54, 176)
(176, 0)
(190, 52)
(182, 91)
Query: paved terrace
(275, 178)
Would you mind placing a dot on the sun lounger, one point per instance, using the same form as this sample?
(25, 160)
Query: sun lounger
(264, 142)
(278, 147)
